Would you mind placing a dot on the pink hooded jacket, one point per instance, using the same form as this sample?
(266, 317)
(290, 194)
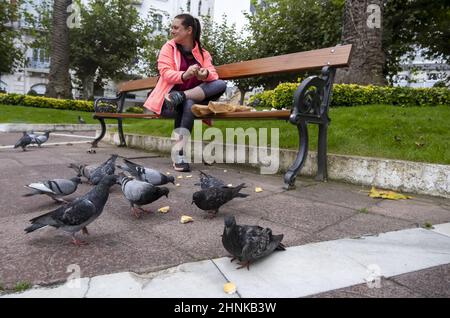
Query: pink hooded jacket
(169, 61)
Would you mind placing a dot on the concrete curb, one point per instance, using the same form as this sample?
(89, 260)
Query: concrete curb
(399, 175)
(51, 127)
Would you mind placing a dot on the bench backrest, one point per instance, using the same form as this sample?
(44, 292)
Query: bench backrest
(337, 56)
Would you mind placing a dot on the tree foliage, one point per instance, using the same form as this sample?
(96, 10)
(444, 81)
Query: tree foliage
(288, 26)
(106, 45)
(412, 24)
(10, 54)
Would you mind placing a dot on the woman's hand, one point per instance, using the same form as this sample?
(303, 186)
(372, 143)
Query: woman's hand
(202, 74)
(190, 72)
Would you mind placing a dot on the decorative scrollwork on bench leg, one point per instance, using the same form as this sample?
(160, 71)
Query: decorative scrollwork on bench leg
(108, 105)
(311, 101)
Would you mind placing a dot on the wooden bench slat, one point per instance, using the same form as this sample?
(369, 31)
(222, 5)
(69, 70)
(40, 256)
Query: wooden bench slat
(276, 114)
(295, 62)
(125, 115)
(338, 56)
(137, 85)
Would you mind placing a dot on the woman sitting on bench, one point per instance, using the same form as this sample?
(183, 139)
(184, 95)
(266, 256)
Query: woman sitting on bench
(187, 77)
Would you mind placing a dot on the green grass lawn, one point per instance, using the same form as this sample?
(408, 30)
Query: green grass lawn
(408, 133)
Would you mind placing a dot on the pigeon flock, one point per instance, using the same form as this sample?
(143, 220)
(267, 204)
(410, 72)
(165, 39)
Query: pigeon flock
(141, 186)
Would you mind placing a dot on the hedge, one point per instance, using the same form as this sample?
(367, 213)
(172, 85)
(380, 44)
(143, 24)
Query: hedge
(354, 95)
(45, 102)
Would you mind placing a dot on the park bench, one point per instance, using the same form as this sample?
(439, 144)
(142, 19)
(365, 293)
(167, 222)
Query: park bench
(310, 104)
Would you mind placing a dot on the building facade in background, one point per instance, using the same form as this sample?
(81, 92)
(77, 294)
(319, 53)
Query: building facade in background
(33, 77)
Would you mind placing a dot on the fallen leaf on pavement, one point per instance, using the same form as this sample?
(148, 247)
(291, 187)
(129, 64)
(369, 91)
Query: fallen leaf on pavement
(391, 195)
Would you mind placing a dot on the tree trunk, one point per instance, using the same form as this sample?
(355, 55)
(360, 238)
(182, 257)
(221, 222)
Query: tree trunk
(59, 85)
(88, 87)
(362, 22)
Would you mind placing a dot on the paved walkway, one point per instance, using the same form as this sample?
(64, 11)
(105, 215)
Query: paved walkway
(333, 231)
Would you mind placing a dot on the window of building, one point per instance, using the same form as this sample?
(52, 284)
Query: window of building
(200, 8)
(188, 6)
(158, 22)
(40, 59)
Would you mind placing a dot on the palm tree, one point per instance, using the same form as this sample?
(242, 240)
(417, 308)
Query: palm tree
(362, 27)
(59, 85)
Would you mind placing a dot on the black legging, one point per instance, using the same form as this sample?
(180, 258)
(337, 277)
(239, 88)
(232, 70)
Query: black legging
(185, 119)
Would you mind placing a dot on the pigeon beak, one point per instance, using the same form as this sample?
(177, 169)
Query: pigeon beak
(192, 202)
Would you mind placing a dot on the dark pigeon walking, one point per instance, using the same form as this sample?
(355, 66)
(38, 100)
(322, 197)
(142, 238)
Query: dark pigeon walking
(249, 243)
(140, 193)
(24, 141)
(106, 168)
(208, 181)
(146, 174)
(55, 188)
(77, 215)
(211, 199)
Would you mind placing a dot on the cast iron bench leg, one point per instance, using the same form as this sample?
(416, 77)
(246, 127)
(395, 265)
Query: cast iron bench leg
(102, 133)
(291, 174)
(322, 173)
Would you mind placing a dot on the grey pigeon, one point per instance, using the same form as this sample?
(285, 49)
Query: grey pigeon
(212, 199)
(106, 168)
(81, 120)
(24, 141)
(54, 188)
(208, 181)
(83, 170)
(140, 193)
(75, 216)
(42, 138)
(248, 243)
(146, 174)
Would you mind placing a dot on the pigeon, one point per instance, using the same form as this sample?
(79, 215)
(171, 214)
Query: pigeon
(54, 188)
(146, 174)
(75, 216)
(208, 181)
(24, 141)
(83, 170)
(140, 193)
(41, 138)
(81, 120)
(248, 243)
(106, 168)
(212, 199)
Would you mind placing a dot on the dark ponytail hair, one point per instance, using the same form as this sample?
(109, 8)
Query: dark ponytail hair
(189, 21)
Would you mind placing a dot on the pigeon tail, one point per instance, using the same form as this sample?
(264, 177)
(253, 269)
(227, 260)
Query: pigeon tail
(280, 246)
(29, 194)
(237, 189)
(34, 227)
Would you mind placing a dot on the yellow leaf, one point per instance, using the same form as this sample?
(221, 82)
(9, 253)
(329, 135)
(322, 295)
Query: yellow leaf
(180, 177)
(177, 184)
(258, 189)
(164, 209)
(391, 195)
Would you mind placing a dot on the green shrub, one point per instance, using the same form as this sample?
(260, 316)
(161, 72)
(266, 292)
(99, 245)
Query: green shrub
(45, 102)
(135, 110)
(353, 95)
